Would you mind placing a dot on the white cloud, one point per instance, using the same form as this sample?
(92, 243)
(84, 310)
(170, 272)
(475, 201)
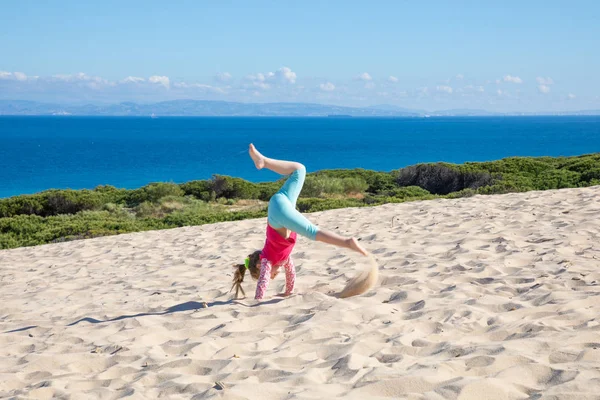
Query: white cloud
(499, 92)
(444, 88)
(133, 79)
(161, 80)
(266, 80)
(571, 96)
(20, 76)
(327, 87)
(460, 76)
(512, 79)
(393, 79)
(223, 77)
(70, 77)
(544, 89)
(259, 80)
(80, 77)
(369, 85)
(544, 81)
(364, 77)
(286, 74)
(200, 86)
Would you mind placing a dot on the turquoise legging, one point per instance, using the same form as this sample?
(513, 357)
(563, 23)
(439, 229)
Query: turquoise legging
(282, 207)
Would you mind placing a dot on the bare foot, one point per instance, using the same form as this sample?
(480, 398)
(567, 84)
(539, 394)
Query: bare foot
(353, 245)
(259, 159)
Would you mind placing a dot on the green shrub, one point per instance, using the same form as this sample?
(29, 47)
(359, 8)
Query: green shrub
(146, 210)
(19, 205)
(591, 174)
(319, 185)
(354, 185)
(316, 186)
(153, 193)
(202, 190)
(405, 192)
(442, 178)
(234, 188)
(70, 201)
(499, 188)
(8, 241)
(376, 181)
(313, 205)
(268, 189)
(468, 192)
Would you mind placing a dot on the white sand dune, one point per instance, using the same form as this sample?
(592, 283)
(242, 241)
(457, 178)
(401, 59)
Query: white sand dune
(480, 298)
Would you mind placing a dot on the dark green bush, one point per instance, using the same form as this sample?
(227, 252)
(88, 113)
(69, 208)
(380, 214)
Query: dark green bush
(153, 193)
(591, 175)
(71, 202)
(22, 205)
(234, 188)
(202, 190)
(268, 189)
(442, 178)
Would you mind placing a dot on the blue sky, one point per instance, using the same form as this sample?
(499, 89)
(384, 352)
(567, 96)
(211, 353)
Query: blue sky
(506, 56)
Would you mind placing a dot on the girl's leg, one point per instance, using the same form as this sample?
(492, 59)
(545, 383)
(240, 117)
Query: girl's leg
(264, 278)
(290, 276)
(340, 241)
(285, 215)
(280, 166)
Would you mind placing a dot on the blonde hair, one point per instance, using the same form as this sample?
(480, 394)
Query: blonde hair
(238, 276)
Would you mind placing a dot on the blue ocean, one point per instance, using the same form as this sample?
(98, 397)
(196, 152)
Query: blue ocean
(39, 153)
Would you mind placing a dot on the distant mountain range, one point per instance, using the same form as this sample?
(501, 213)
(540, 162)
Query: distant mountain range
(193, 108)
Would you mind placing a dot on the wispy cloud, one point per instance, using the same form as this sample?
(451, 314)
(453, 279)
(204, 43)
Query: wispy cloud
(460, 77)
(571, 96)
(512, 79)
(544, 81)
(444, 89)
(161, 80)
(327, 87)
(364, 77)
(20, 76)
(392, 79)
(545, 89)
(223, 77)
(199, 86)
(17, 76)
(472, 88)
(133, 79)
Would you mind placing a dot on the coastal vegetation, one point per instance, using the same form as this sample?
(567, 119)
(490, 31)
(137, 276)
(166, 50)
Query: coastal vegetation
(60, 215)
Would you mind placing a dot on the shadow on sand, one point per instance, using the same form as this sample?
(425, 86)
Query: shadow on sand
(187, 306)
